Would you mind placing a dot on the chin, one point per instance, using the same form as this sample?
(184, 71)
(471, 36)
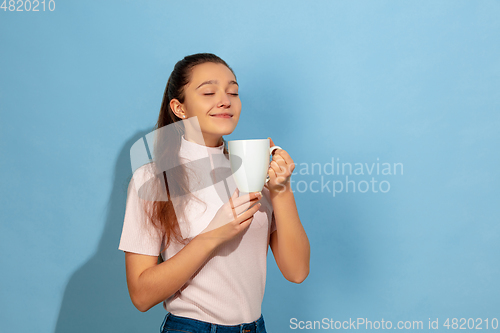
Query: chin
(226, 132)
(222, 130)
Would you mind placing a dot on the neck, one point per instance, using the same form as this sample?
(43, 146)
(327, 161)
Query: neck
(206, 140)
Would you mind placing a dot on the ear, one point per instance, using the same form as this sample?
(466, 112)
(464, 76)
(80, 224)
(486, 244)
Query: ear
(177, 108)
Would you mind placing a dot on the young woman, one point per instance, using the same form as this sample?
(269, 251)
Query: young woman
(212, 272)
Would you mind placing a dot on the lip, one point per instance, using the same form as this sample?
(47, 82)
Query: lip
(222, 115)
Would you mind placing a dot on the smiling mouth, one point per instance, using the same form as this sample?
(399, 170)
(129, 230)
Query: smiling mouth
(225, 115)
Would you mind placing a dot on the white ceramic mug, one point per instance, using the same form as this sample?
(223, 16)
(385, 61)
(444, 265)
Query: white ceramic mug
(252, 163)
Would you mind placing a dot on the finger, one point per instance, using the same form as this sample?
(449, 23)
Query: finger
(241, 204)
(271, 142)
(236, 194)
(253, 196)
(249, 213)
(245, 224)
(286, 156)
(231, 201)
(246, 206)
(284, 168)
(278, 157)
(284, 160)
(276, 168)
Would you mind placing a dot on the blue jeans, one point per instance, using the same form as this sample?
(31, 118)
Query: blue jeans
(173, 323)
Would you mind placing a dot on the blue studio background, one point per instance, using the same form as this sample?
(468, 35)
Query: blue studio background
(407, 89)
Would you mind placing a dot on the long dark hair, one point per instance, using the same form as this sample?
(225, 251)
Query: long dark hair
(162, 213)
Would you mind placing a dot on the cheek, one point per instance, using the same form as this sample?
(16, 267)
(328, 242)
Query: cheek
(237, 107)
(198, 106)
(237, 115)
(238, 103)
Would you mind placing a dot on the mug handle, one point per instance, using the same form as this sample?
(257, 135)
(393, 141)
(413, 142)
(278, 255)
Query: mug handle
(271, 150)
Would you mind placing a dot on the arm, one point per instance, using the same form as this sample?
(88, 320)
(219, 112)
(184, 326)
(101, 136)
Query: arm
(150, 283)
(289, 242)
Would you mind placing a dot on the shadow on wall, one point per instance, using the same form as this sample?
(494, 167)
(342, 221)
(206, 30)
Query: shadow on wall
(96, 298)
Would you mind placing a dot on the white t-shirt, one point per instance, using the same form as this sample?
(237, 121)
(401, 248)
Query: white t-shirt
(229, 287)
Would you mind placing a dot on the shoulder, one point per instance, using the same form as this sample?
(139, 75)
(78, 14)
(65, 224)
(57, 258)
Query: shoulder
(144, 172)
(142, 181)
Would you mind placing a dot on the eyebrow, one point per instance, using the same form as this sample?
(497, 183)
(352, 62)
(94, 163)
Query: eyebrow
(216, 82)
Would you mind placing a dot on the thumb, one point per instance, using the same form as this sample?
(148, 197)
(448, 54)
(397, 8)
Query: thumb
(236, 194)
(271, 142)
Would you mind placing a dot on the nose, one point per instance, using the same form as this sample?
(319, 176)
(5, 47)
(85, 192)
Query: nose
(224, 101)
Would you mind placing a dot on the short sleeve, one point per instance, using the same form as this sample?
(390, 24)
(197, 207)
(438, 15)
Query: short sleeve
(138, 234)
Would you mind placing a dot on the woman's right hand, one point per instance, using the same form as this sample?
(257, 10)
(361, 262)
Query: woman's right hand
(232, 218)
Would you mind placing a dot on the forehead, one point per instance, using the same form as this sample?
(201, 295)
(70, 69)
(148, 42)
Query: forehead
(210, 71)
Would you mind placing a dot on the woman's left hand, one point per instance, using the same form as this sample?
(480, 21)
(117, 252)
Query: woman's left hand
(280, 170)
